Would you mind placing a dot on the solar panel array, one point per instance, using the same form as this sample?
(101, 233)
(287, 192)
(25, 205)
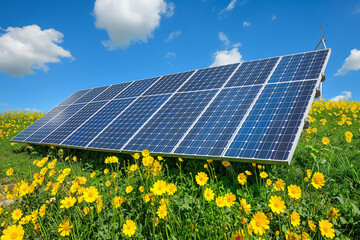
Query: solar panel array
(249, 111)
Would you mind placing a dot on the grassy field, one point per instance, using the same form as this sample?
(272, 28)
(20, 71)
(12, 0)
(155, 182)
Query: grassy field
(62, 193)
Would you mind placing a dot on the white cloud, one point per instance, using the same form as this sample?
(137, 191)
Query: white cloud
(230, 6)
(344, 95)
(226, 57)
(172, 35)
(27, 48)
(128, 21)
(237, 44)
(357, 10)
(352, 63)
(246, 24)
(273, 17)
(224, 38)
(170, 54)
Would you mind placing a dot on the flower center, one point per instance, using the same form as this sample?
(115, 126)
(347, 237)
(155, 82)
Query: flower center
(276, 204)
(258, 222)
(14, 235)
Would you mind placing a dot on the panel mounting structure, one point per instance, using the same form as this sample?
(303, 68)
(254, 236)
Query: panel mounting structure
(251, 111)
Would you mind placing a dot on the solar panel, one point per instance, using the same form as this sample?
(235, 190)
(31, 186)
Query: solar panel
(250, 111)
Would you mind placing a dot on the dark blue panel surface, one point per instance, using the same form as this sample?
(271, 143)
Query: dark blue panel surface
(90, 95)
(112, 91)
(54, 123)
(74, 97)
(166, 128)
(120, 130)
(38, 124)
(300, 66)
(211, 134)
(63, 131)
(169, 83)
(97, 123)
(137, 88)
(253, 72)
(209, 78)
(269, 130)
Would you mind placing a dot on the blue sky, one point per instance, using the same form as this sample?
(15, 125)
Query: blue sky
(50, 49)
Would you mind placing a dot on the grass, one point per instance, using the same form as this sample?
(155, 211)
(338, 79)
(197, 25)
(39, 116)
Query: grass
(188, 214)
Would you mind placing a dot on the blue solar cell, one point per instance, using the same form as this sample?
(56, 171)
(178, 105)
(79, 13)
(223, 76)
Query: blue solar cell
(64, 130)
(97, 123)
(123, 127)
(300, 66)
(90, 95)
(209, 78)
(169, 83)
(112, 91)
(269, 130)
(137, 88)
(55, 122)
(168, 125)
(75, 96)
(253, 72)
(38, 124)
(212, 132)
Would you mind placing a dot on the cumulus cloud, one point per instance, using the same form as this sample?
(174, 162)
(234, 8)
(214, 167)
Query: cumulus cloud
(172, 35)
(224, 38)
(226, 57)
(246, 24)
(27, 48)
(344, 95)
(352, 63)
(273, 17)
(128, 21)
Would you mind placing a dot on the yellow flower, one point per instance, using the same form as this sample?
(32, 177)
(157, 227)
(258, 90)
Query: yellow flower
(225, 163)
(51, 164)
(241, 178)
(99, 204)
(348, 136)
(74, 158)
(259, 223)
(145, 153)
(171, 189)
(136, 156)
(133, 167)
(180, 159)
(15, 232)
(16, 214)
(245, 206)
(230, 199)
(117, 201)
(65, 228)
(279, 185)
(325, 140)
(294, 191)
(209, 194)
(318, 180)
(42, 210)
(205, 166)
(107, 183)
(160, 158)
(268, 182)
(148, 197)
(147, 161)
(295, 219)
(91, 194)
(333, 214)
(141, 189)
(9, 172)
(81, 180)
(25, 220)
(112, 159)
(129, 227)
(201, 178)
(106, 171)
(276, 204)
(92, 174)
(308, 173)
(263, 175)
(162, 212)
(86, 210)
(239, 235)
(209, 160)
(248, 173)
(67, 202)
(159, 187)
(220, 201)
(327, 229)
(312, 226)
(52, 172)
(128, 189)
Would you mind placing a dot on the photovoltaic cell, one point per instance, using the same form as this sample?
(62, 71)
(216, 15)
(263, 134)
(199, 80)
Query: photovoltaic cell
(169, 83)
(51, 125)
(209, 78)
(122, 128)
(253, 72)
(75, 96)
(93, 93)
(97, 123)
(137, 88)
(271, 126)
(39, 123)
(168, 125)
(111, 92)
(212, 132)
(64, 130)
(300, 66)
